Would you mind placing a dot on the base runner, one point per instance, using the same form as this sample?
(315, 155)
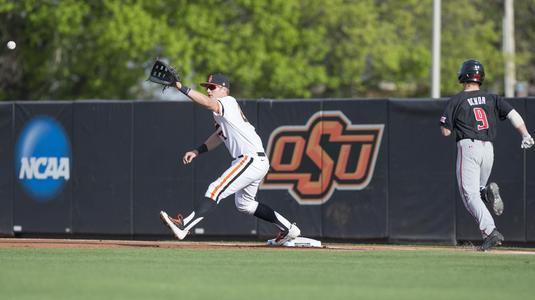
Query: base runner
(473, 116)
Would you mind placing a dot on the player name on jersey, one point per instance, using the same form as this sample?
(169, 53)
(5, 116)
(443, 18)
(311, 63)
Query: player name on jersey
(476, 100)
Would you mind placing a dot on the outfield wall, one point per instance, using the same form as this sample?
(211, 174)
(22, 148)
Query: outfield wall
(349, 169)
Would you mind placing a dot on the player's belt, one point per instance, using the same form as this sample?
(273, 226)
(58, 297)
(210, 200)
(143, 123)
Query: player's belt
(257, 153)
(473, 140)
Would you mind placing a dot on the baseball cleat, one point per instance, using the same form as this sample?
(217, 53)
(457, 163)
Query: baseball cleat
(287, 235)
(174, 224)
(494, 199)
(495, 238)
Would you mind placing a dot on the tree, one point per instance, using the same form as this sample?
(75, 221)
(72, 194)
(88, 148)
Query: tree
(103, 49)
(469, 31)
(524, 37)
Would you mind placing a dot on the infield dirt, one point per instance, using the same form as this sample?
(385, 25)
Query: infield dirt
(80, 243)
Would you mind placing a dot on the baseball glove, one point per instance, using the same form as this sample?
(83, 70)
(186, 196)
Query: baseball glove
(163, 74)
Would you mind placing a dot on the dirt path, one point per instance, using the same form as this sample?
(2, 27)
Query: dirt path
(76, 243)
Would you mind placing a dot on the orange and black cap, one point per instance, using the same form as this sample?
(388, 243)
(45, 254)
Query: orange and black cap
(217, 79)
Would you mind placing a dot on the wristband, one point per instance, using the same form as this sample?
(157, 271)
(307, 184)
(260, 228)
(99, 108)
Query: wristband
(184, 89)
(202, 148)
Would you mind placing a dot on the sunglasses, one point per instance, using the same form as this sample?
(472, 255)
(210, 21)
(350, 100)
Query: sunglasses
(212, 87)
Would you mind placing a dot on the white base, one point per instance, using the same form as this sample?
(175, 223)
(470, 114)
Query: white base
(297, 242)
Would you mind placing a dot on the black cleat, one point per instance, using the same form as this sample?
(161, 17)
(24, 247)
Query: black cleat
(491, 195)
(495, 238)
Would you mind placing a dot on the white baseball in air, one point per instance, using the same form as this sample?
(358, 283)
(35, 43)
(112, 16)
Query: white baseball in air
(11, 45)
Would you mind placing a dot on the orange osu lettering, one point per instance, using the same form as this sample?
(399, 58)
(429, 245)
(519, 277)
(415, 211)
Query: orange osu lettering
(328, 153)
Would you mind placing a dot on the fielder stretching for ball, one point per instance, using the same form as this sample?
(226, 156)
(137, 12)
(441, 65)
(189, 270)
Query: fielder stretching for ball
(473, 115)
(246, 171)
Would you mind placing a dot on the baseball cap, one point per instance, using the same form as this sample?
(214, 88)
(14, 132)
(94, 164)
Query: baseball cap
(218, 79)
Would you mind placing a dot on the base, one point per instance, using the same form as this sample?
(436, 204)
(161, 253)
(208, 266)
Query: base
(297, 242)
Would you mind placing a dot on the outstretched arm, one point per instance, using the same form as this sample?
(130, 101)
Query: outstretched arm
(518, 123)
(211, 143)
(199, 98)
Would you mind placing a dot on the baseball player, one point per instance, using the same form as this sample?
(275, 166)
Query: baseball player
(473, 115)
(246, 171)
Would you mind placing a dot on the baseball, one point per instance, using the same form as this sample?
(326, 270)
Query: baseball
(11, 45)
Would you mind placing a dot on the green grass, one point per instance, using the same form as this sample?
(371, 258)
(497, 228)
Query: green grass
(218, 274)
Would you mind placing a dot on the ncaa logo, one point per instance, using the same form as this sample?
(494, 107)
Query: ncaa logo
(42, 158)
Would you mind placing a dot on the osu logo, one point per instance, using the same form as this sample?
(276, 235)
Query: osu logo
(42, 158)
(327, 153)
